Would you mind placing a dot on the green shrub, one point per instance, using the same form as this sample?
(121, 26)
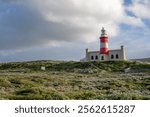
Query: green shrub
(4, 83)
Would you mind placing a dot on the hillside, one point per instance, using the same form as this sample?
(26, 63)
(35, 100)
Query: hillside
(74, 80)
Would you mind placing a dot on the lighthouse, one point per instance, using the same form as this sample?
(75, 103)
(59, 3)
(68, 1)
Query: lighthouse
(104, 51)
(105, 54)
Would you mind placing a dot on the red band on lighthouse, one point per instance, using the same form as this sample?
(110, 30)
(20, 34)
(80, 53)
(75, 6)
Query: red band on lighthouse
(104, 43)
(104, 51)
(103, 39)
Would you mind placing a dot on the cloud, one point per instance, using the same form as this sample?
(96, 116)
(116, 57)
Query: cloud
(33, 23)
(133, 21)
(140, 8)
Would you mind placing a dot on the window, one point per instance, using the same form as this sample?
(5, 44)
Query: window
(117, 56)
(96, 57)
(112, 56)
(102, 57)
(92, 58)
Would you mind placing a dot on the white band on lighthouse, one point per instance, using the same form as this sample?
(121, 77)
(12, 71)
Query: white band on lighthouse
(104, 45)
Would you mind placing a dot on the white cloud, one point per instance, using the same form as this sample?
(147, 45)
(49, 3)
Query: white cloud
(140, 8)
(33, 23)
(86, 14)
(133, 21)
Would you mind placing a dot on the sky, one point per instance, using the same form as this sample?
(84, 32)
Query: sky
(63, 29)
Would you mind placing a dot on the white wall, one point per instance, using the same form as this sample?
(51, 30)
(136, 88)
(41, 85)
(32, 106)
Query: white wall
(115, 53)
(94, 54)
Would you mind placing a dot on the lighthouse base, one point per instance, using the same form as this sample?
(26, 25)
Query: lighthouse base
(104, 57)
(113, 55)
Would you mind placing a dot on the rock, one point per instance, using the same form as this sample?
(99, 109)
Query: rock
(43, 68)
(127, 70)
(85, 71)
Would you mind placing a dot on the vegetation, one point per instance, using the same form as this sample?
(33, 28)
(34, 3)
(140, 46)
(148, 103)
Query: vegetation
(75, 80)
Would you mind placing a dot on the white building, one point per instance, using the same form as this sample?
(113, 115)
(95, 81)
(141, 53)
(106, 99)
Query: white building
(104, 54)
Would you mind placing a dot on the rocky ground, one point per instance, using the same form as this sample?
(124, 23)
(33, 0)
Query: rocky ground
(75, 80)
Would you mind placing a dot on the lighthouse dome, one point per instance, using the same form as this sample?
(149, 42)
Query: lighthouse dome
(103, 32)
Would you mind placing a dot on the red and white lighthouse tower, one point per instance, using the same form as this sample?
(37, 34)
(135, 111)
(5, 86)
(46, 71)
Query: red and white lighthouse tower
(104, 51)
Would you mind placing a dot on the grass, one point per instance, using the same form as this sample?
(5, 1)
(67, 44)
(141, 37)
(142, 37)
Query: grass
(74, 80)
